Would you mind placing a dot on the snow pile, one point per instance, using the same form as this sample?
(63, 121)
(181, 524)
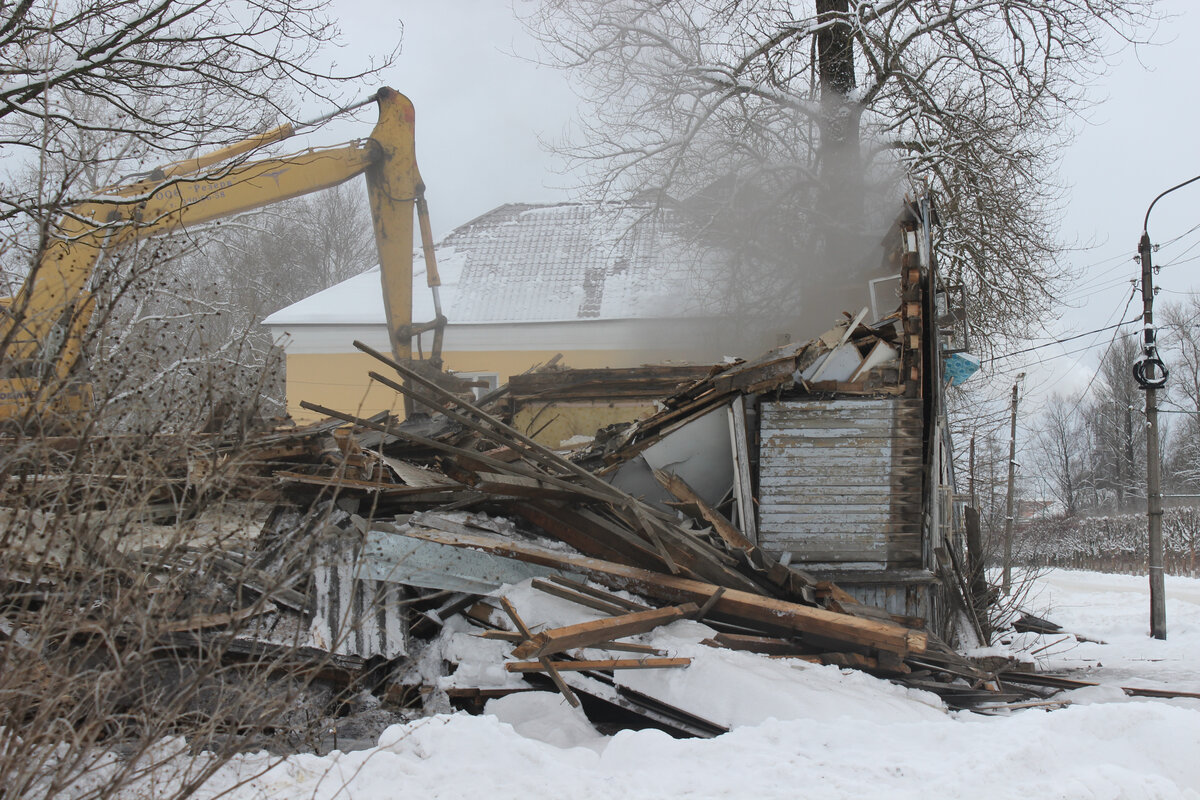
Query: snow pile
(737, 689)
(801, 729)
(1115, 609)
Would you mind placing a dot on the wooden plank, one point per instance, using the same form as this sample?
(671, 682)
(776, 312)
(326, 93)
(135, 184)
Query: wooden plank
(583, 588)
(580, 529)
(709, 603)
(845, 532)
(520, 486)
(585, 634)
(743, 484)
(830, 548)
(784, 477)
(842, 405)
(881, 353)
(766, 645)
(668, 717)
(792, 527)
(724, 528)
(203, 621)
(835, 515)
(606, 664)
(832, 459)
(819, 560)
(661, 379)
(854, 501)
(842, 448)
(734, 605)
(390, 489)
(777, 576)
(629, 647)
(844, 409)
(871, 491)
(625, 647)
(866, 417)
(859, 661)
(578, 597)
(549, 668)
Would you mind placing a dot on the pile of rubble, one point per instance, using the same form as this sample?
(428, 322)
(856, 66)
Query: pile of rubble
(449, 507)
(385, 535)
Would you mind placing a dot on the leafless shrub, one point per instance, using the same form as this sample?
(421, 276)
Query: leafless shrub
(140, 644)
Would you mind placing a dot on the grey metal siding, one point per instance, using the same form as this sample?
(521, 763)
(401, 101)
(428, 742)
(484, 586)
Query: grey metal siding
(840, 482)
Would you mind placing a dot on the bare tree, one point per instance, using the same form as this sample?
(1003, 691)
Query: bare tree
(165, 74)
(1181, 342)
(1118, 434)
(122, 613)
(93, 90)
(814, 106)
(288, 251)
(1062, 451)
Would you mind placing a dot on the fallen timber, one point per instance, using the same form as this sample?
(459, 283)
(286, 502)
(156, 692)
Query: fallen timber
(733, 605)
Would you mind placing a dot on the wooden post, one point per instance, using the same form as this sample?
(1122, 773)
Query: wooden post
(1006, 583)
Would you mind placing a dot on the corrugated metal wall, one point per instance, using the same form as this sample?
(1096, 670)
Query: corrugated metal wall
(354, 615)
(840, 482)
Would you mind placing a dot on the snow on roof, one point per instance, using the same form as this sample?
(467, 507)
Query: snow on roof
(536, 263)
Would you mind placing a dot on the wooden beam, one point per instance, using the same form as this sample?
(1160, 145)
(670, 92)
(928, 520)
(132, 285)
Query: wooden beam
(734, 605)
(583, 588)
(724, 528)
(603, 606)
(549, 668)
(577, 528)
(586, 634)
(743, 486)
(765, 645)
(624, 647)
(612, 663)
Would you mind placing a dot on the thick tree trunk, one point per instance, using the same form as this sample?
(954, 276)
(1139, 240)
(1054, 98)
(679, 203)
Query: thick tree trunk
(838, 154)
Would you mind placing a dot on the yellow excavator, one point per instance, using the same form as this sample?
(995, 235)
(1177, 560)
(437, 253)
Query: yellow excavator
(42, 328)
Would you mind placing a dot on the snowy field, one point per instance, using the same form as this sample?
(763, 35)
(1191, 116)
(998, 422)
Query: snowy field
(804, 730)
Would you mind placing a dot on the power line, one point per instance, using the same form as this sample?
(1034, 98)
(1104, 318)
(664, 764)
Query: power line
(1069, 338)
(1026, 365)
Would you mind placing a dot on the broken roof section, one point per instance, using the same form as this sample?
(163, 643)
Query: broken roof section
(525, 262)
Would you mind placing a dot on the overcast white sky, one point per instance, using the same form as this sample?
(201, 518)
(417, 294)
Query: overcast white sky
(481, 113)
(1139, 141)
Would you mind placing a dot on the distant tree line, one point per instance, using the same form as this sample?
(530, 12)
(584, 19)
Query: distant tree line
(1115, 543)
(1085, 466)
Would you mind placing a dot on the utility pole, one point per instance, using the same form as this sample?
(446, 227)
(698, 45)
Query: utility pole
(1151, 374)
(1006, 583)
(1146, 374)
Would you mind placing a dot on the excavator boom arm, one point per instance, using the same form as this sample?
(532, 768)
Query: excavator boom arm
(41, 333)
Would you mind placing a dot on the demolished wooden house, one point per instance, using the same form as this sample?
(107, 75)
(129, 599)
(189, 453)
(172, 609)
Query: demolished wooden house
(837, 450)
(801, 504)
(803, 499)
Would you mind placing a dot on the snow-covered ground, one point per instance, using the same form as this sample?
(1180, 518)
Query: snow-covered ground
(805, 730)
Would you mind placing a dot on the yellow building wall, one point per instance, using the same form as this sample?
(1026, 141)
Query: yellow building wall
(339, 380)
(552, 424)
